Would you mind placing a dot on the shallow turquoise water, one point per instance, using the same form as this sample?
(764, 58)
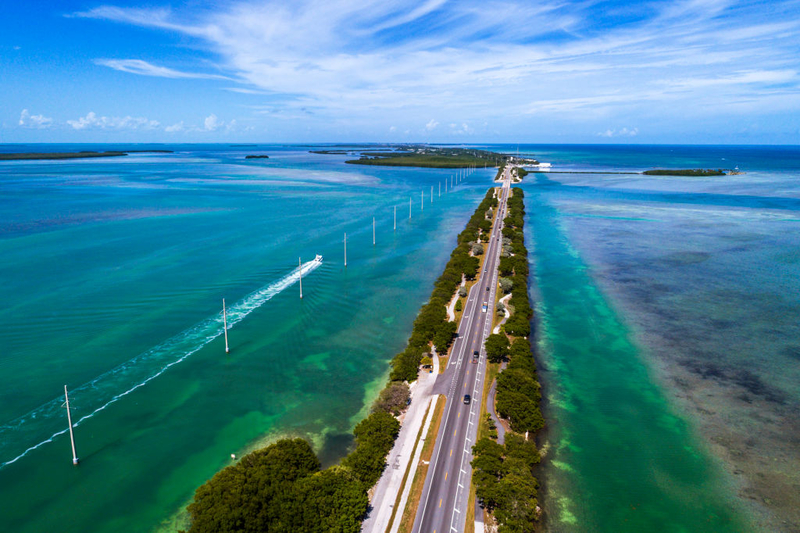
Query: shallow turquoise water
(622, 460)
(114, 269)
(668, 342)
(110, 264)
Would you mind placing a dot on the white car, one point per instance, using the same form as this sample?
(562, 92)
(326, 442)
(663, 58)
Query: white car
(485, 307)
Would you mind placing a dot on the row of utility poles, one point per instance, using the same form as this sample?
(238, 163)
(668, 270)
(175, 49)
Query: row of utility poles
(454, 180)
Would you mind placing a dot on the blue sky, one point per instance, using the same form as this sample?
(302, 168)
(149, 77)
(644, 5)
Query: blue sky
(692, 71)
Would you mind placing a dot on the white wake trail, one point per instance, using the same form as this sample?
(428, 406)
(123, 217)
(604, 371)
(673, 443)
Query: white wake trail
(103, 391)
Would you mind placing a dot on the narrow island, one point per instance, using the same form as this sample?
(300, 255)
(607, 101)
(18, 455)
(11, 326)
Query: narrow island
(684, 172)
(35, 156)
(506, 457)
(282, 487)
(44, 156)
(256, 157)
(435, 157)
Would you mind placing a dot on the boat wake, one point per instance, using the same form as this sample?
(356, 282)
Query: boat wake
(104, 390)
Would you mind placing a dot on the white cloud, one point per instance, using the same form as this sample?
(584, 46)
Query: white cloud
(211, 123)
(92, 121)
(465, 129)
(348, 59)
(624, 132)
(242, 90)
(26, 120)
(138, 66)
(175, 127)
(392, 129)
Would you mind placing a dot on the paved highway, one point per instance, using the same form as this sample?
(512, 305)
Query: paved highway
(443, 505)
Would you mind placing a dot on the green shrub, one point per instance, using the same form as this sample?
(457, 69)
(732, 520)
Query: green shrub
(394, 398)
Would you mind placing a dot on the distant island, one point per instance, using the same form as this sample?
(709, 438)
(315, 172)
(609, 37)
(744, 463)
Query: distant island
(431, 157)
(256, 157)
(36, 156)
(685, 172)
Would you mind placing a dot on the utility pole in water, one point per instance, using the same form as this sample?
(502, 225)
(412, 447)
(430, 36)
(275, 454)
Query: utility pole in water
(345, 249)
(225, 325)
(373, 231)
(395, 218)
(71, 434)
(300, 266)
(409, 208)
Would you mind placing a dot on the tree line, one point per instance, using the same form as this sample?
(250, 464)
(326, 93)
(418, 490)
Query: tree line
(282, 488)
(503, 474)
(431, 325)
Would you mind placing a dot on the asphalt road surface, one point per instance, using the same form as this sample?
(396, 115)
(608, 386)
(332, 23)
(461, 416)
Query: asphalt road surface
(443, 505)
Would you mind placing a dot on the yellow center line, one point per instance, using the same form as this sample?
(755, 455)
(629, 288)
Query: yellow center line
(445, 476)
(440, 502)
(454, 432)
(451, 452)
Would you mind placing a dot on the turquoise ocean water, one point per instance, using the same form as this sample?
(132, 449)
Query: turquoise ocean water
(113, 276)
(114, 270)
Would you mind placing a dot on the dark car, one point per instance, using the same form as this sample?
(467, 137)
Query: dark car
(475, 356)
(467, 398)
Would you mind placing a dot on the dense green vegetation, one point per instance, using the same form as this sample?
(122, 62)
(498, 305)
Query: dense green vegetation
(281, 488)
(32, 156)
(418, 160)
(518, 391)
(515, 268)
(504, 481)
(500, 170)
(394, 398)
(431, 157)
(497, 346)
(374, 439)
(685, 172)
(58, 155)
(431, 325)
(503, 474)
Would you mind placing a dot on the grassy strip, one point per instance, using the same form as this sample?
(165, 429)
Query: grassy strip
(410, 512)
(408, 470)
